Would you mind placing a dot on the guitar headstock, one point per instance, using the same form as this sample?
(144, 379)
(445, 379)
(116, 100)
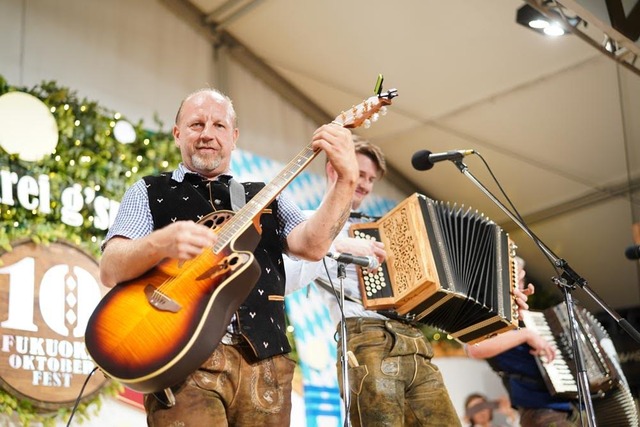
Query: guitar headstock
(367, 111)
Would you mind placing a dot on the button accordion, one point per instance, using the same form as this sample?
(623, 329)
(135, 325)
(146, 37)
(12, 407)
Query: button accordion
(612, 400)
(446, 267)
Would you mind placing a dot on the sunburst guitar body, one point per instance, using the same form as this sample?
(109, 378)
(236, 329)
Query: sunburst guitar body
(151, 332)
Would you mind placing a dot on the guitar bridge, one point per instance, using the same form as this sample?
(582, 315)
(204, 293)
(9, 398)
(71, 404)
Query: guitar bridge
(160, 301)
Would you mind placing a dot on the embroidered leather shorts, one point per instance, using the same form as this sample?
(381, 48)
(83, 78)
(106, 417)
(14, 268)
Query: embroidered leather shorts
(391, 378)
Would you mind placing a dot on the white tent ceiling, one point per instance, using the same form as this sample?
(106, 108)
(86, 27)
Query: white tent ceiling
(555, 118)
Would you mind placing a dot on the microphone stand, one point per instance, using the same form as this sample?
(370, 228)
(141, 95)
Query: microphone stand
(567, 281)
(346, 390)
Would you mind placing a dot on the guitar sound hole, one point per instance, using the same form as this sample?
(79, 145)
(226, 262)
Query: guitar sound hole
(215, 219)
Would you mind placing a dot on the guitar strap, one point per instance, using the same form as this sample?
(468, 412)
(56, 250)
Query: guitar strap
(321, 282)
(327, 287)
(237, 195)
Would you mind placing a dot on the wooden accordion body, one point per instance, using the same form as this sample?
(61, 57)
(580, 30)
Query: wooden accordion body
(445, 267)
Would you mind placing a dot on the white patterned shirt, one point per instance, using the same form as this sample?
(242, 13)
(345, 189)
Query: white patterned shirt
(134, 218)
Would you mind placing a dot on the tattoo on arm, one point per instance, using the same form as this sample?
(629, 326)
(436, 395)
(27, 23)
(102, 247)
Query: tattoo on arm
(341, 221)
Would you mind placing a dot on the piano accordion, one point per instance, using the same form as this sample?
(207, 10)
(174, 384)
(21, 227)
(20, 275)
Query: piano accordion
(446, 267)
(613, 402)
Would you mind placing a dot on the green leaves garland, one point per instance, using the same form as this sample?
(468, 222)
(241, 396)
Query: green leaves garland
(27, 414)
(89, 155)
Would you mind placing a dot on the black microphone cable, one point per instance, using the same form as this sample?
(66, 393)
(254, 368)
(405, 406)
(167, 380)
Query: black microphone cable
(515, 212)
(75, 405)
(343, 318)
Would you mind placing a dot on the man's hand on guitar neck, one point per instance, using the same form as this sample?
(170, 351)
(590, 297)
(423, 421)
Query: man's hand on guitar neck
(312, 239)
(337, 143)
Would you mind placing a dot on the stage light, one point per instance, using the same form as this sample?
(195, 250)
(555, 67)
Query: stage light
(556, 25)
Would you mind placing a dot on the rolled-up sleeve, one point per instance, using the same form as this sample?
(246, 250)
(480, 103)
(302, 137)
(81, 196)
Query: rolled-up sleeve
(133, 219)
(289, 216)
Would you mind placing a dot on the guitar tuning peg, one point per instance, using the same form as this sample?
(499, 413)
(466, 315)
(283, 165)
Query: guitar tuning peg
(375, 117)
(367, 124)
(383, 110)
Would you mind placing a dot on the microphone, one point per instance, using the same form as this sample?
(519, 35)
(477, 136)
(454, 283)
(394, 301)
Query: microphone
(424, 159)
(632, 252)
(368, 262)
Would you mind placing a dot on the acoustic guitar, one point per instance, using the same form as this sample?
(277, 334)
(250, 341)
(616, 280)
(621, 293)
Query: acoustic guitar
(149, 333)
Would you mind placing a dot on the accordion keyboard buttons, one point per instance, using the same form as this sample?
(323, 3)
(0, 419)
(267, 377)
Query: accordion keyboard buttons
(373, 282)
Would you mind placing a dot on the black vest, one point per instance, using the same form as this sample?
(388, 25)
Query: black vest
(261, 316)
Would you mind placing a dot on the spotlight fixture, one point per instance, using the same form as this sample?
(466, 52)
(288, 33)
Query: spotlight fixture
(556, 24)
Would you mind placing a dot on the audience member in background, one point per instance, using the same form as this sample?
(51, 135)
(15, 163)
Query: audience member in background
(512, 356)
(480, 411)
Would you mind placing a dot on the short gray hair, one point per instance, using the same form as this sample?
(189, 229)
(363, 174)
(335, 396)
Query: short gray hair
(216, 92)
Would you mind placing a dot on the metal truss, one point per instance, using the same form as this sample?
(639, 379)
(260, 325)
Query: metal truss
(592, 29)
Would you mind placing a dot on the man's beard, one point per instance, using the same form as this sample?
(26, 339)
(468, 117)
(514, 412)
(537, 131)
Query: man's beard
(204, 164)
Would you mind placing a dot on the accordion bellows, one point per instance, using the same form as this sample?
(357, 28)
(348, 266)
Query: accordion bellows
(446, 267)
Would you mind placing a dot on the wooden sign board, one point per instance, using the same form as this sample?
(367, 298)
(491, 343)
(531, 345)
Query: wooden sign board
(47, 293)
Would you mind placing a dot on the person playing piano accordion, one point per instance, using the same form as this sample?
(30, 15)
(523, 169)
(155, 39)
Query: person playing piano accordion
(512, 355)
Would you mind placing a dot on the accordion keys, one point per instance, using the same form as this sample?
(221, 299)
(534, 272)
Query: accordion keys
(613, 401)
(374, 285)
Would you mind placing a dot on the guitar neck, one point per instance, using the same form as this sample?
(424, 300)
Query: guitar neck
(244, 217)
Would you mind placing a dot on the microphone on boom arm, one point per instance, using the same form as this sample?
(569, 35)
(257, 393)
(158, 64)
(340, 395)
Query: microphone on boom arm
(424, 159)
(632, 252)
